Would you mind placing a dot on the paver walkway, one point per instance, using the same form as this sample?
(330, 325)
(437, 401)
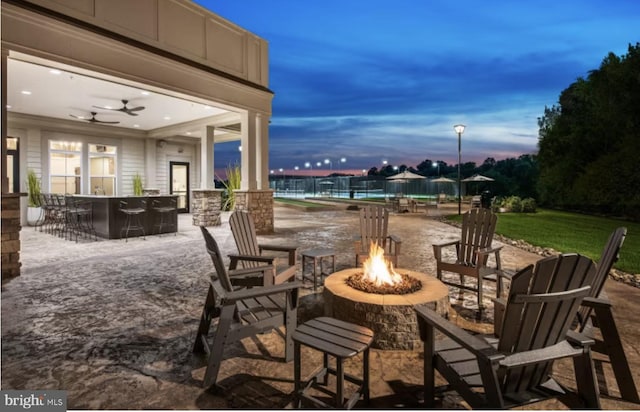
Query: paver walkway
(113, 322)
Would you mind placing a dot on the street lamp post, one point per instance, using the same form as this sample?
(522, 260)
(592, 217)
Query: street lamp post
(329, 162)
(459, 128)
(436, 164)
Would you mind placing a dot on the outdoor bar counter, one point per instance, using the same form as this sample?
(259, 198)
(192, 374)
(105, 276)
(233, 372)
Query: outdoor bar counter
(108, 220)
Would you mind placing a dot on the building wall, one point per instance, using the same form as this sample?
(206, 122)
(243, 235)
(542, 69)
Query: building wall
(180, 27)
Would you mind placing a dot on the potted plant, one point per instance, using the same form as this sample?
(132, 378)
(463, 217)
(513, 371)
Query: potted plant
(137, 185)
(34, 209)
(231, 184)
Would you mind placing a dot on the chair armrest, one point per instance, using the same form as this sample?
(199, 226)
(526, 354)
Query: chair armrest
(479, 347)
(259, 292)
(250, 271)
(395, 239)
(560, 350)
(596, 302)
(577, 338)
(248, 258)
(489, 250)
(441, 245)
(291, 250)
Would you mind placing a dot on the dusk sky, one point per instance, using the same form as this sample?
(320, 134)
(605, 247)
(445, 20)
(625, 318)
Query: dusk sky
(387, 80)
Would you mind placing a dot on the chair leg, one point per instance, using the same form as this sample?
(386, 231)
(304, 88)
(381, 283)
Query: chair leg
(208, 313)
(586, 380)
(613, 345)
(429, 371)
(217, 349)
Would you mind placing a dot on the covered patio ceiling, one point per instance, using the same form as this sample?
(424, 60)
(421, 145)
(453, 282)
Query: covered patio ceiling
(40, 87)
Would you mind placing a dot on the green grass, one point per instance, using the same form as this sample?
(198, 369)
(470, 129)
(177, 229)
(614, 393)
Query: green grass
(572, 232)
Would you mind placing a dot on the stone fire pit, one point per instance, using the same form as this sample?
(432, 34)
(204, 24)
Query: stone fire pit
(391, 317)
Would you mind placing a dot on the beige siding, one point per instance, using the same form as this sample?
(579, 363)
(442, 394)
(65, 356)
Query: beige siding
(132, 161)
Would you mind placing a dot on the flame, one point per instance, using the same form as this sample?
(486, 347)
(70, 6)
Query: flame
(378, 270)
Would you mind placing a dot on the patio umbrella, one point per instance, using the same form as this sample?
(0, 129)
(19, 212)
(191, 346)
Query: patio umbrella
(477, 179)
(442, 180)
(405, 177)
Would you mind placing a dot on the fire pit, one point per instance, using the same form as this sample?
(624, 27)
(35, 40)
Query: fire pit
(370, 296)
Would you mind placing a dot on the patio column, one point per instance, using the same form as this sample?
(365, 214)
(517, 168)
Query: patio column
(206, 158)
(254, 195)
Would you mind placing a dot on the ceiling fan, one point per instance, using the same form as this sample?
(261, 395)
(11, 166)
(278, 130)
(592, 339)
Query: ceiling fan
(124, 108)
(92, 119)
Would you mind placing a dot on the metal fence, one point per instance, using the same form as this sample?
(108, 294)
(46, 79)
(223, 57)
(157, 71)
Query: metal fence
(357, 187)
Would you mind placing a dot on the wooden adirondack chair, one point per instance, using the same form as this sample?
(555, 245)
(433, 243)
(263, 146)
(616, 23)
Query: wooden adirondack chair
(241, 311)
(595, 313)
(374, 221)
(244, 233)
(515, 370)
(472, 252)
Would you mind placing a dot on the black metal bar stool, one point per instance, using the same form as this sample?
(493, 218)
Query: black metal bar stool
(166, 214)
(132, 221)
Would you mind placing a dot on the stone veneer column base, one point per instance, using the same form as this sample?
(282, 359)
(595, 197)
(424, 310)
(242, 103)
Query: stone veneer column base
(206, 205)
(10, 235)
(259, 204)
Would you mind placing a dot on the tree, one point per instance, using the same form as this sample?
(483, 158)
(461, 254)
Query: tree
(588, 143)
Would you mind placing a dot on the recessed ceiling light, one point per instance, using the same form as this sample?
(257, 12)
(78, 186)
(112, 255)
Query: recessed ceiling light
(80, 117)
(27, 92)
(8, 106)
(207, 107)
(55, 71)
(188, 133)
(108, 107)
(136, 125)
(144, 93)
(167, 118)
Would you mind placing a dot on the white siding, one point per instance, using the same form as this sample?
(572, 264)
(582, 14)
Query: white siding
(131, 157)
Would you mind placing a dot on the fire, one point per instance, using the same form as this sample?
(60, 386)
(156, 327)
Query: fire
(378, 270)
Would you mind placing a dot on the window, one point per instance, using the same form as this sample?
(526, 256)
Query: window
(65, 167)
(102, 169)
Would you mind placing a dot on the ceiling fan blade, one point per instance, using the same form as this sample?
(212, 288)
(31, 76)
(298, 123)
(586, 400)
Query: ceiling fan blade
(77, 117)
(106, 108)
(102, 121)
(136, 109)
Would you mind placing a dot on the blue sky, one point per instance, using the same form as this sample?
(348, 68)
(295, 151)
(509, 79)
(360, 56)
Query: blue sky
(387, 80)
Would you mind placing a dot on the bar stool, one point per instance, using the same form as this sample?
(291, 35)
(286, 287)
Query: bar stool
(166, 214)
(132, 221)
(341, 340)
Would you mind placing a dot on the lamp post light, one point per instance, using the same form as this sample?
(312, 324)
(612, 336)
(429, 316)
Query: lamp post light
(329, 162)
(459, 129)
(308, 165)
(436, 164)
(342, 160)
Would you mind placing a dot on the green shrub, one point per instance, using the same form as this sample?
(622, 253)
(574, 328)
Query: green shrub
(513, 204)
(232, 183)
(137, 185)
(529, 205)
(33, 185)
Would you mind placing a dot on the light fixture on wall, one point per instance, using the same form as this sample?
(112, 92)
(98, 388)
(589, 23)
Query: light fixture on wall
(180, 149)
(161, 143)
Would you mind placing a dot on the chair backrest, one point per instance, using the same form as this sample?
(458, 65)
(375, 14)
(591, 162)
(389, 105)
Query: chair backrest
(478, 227)
(244, 233)
(541, 307)
(609, 256)
(216, 257)
(374, 221)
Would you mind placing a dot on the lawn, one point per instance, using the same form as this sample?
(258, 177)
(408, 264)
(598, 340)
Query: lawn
(296, 202)
(572, 232)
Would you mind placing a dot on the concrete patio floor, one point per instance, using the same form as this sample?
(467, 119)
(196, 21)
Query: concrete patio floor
(113, 322)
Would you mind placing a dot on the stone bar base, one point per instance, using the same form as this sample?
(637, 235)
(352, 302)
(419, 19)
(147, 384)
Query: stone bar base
(206, 205)
(259, 204)
(390, 317)
(10, 235)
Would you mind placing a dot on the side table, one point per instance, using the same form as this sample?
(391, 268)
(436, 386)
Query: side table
(341, 340)
(317, 255)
